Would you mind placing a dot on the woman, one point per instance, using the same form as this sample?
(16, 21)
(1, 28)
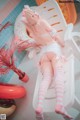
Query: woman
(51, 60)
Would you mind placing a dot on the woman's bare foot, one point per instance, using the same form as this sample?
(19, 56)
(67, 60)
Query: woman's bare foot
(61, 110)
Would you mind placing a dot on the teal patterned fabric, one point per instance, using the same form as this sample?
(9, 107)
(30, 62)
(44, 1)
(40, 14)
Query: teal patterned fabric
(7, 33)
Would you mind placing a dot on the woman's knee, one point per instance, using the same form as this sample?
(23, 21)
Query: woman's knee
(43, 61)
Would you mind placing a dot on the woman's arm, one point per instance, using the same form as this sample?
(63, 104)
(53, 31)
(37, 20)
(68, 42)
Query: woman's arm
(25, 45)
(59, 40)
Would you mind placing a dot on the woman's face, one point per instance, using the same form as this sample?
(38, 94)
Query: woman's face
(32, 17)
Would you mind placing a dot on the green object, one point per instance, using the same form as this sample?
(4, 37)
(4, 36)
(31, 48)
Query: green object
(6, 103)
(77, 5)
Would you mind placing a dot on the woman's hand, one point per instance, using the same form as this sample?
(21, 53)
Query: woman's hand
(60, 41)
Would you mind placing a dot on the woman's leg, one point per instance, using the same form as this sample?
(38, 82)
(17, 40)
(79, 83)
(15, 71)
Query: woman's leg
(47, 73)
(59, 87)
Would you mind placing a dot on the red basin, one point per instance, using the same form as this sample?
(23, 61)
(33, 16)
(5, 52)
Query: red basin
(11, 91)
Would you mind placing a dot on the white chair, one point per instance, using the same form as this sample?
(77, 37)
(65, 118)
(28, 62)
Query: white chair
(51, 12)
(72, 42)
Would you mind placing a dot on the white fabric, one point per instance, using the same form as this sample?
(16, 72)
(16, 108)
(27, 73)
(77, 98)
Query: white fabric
(54, 47)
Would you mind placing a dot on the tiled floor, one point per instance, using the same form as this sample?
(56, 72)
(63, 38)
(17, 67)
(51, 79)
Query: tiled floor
(7, 34)
(24, 106)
